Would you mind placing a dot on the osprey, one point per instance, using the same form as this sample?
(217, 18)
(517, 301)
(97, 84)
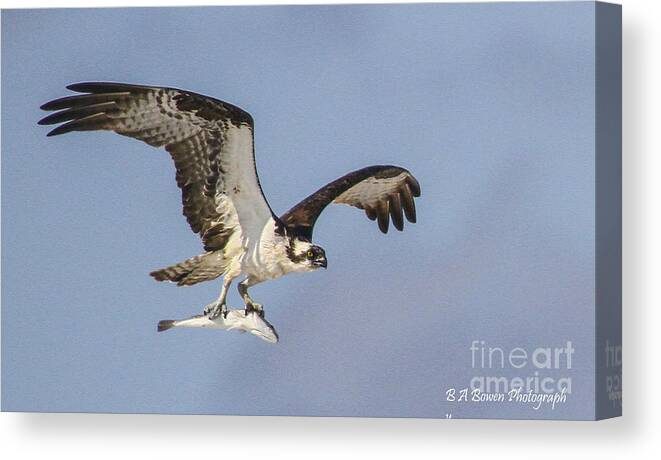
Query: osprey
(211, 143)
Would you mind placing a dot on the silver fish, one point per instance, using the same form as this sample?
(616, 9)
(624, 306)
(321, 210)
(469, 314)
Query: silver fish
(235, 320)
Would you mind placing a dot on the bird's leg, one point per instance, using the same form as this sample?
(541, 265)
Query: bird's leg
(217, 308)
(250, 304)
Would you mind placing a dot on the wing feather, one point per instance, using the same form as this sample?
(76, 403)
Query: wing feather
(384, 192)
(407, 201)
(210, 141)
(395, 207)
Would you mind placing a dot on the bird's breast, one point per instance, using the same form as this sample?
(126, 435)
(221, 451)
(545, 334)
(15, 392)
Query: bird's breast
(263, 258)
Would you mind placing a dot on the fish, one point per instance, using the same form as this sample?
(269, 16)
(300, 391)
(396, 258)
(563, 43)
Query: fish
(235, 320)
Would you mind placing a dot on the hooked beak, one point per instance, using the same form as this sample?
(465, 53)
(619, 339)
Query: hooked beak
(320, 262)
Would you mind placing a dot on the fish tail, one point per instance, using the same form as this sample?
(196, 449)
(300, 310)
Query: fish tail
(165, 324)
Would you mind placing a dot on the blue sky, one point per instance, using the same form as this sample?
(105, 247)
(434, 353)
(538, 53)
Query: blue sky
(490, 106)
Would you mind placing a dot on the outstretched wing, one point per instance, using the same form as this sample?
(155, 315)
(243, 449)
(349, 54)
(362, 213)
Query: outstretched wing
(382, 191)
(210, 141)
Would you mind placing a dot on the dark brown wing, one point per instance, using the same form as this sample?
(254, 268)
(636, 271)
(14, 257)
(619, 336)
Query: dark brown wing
(384, 192)
(210, 141)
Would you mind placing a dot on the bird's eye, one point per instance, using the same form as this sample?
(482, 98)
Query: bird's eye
(310, 254)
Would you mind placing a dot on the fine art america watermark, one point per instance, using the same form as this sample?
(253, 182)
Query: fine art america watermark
(538, 379)
(614, 371)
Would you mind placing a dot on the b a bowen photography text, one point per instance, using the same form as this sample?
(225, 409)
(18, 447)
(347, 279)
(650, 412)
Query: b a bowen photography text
(534, 385)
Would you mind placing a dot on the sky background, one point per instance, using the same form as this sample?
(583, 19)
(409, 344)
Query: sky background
(490, 106)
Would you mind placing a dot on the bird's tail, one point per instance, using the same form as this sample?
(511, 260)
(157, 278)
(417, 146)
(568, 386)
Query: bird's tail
(194, 270)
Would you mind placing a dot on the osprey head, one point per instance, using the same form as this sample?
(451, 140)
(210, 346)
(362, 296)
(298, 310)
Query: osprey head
(305, 255)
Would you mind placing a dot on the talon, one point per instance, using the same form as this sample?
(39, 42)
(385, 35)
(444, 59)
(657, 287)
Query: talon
(254, 307)
(214, 310)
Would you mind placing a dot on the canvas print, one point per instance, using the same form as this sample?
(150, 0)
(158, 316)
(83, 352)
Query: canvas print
(158, 183)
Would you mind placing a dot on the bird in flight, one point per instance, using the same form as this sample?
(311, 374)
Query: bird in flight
(211, 143)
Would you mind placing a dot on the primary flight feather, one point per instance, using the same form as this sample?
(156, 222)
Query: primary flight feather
(211, 143)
